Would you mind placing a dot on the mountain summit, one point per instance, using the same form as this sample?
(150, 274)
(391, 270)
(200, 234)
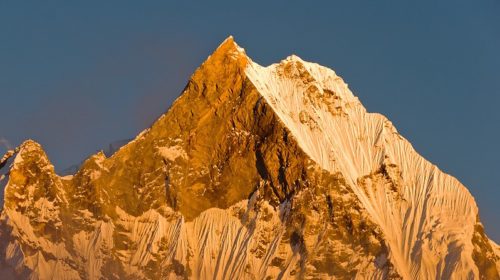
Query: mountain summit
(255, 172)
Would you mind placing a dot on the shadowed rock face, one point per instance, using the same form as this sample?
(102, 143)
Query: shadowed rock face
(217, 188)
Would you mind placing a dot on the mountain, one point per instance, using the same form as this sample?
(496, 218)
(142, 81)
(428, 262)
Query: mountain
(255, 172)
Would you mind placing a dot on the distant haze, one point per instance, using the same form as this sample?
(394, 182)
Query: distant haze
(77, 77)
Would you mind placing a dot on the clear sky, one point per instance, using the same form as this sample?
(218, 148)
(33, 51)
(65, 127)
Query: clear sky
(78, 75)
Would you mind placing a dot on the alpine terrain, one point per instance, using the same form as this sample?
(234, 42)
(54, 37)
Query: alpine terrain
(255, 172)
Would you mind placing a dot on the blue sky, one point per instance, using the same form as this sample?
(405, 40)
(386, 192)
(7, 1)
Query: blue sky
(77, 76)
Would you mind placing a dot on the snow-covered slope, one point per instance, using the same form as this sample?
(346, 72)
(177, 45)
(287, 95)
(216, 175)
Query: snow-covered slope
(255, 172)
(428, 217)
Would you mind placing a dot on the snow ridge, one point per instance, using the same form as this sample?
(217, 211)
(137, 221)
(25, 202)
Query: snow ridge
(428, 219)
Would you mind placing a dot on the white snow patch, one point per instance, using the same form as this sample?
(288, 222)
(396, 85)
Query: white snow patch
(172, 153)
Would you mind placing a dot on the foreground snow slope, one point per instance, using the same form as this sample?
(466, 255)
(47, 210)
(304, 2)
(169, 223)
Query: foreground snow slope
(254, 173)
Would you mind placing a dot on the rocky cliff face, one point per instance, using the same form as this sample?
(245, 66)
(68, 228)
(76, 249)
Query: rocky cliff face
(253, 173)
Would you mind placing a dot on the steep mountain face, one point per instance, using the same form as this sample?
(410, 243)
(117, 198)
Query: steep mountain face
(253, 173)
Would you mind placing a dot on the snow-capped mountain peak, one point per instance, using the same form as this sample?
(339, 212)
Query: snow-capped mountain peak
(253, 173)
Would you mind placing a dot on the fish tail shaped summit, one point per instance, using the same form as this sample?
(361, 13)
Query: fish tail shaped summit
(254, 172)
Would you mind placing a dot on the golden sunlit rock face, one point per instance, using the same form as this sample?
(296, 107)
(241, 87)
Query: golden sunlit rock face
(223, 186)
